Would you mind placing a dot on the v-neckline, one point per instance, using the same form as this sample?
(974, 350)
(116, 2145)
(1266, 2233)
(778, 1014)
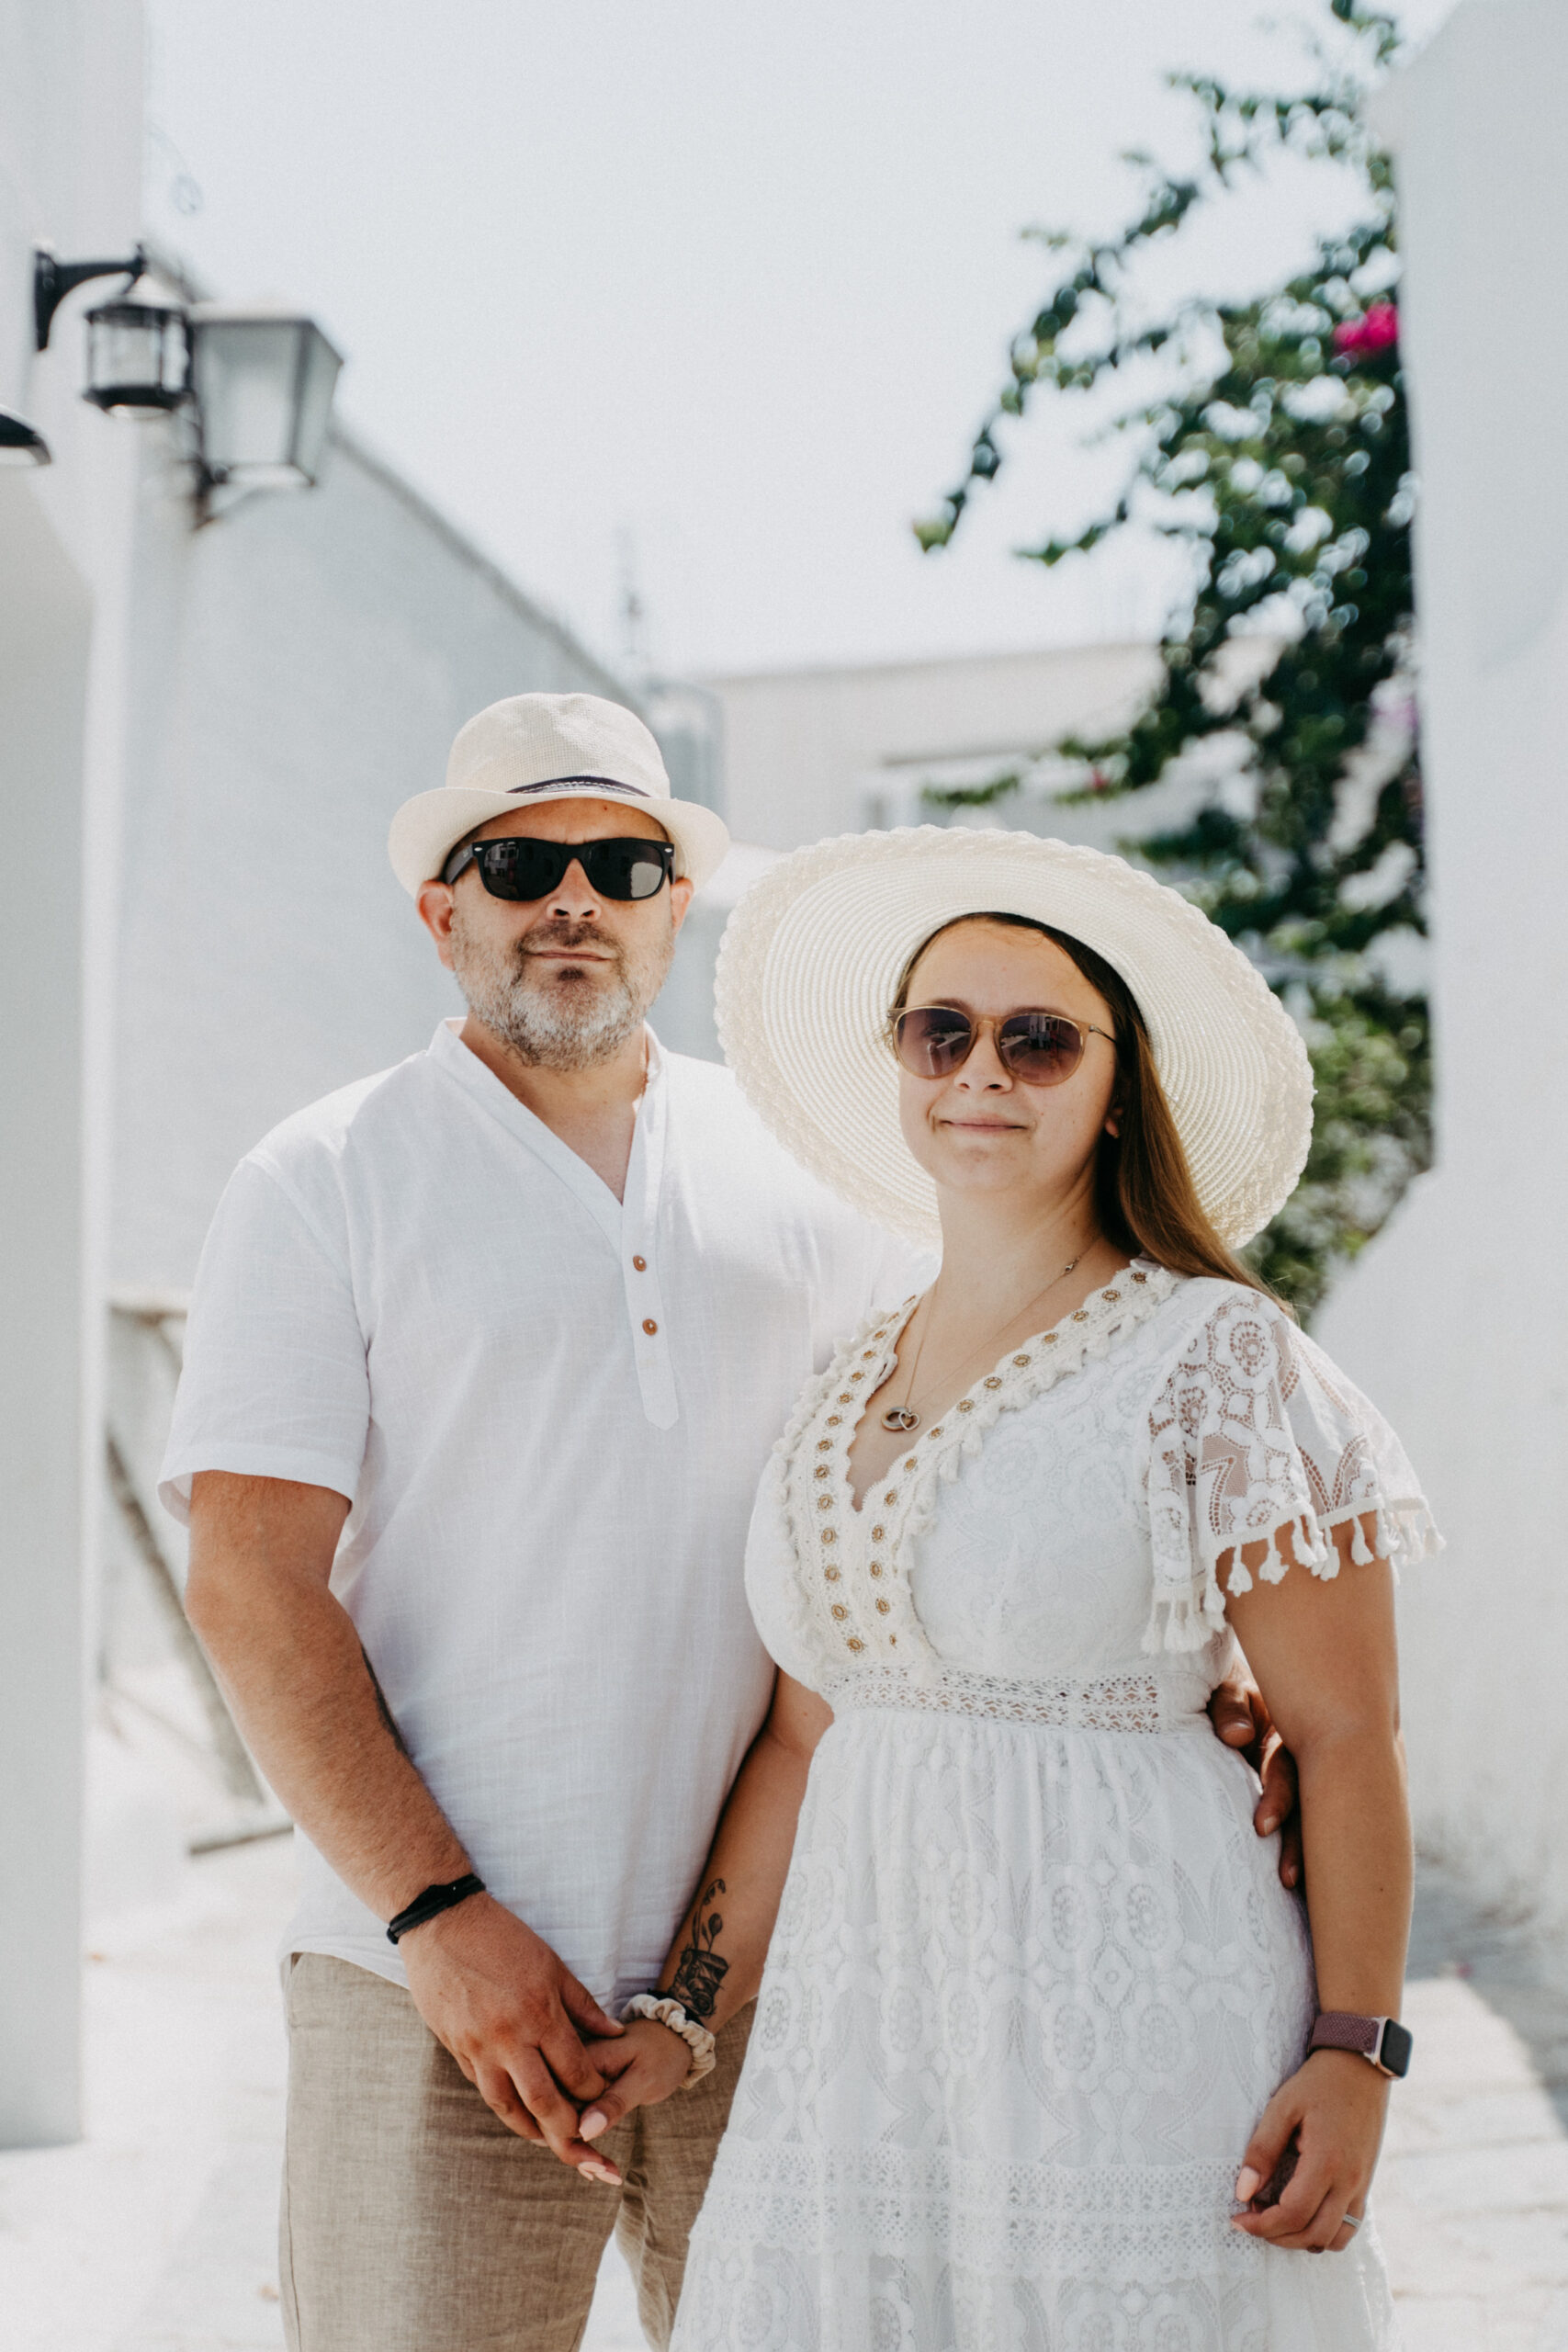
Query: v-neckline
(1016, 1358)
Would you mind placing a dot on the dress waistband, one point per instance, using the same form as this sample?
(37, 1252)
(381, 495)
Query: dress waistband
(1137, 1703)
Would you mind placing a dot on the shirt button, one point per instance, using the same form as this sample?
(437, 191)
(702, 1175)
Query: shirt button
(641, 1265)
(650, 1325)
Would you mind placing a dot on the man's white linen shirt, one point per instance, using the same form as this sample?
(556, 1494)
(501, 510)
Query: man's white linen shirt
(550, 1411)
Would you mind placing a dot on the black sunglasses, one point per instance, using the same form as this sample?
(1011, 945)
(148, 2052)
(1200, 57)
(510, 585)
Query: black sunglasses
(1041, 1048)
(518, 867)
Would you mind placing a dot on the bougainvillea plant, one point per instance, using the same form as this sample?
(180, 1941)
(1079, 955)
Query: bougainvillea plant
(1275, 453)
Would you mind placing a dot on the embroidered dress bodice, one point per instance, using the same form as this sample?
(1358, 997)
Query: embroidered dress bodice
(1088, 1486)
(1034, 1977)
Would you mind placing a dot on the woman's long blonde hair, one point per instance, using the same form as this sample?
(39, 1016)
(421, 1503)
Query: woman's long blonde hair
(1143, 1192)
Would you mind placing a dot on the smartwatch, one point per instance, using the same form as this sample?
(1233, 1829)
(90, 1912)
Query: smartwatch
(1382, 2042)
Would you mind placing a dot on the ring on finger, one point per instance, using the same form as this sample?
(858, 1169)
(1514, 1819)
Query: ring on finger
(1351, 2221)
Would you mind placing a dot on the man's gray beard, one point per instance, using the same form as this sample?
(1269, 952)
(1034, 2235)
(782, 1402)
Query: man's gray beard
(571, 1021)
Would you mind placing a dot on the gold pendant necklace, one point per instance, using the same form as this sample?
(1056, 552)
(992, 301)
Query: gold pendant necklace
(900, 1419)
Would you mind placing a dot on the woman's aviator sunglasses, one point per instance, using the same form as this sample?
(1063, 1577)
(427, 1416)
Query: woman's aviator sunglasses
(518, 867)
(1040, 1049)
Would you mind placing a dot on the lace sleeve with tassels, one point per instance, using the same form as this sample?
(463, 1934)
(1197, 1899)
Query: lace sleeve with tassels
(1256, 1432)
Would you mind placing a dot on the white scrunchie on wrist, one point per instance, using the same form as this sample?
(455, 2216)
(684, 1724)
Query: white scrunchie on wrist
(697, 2038)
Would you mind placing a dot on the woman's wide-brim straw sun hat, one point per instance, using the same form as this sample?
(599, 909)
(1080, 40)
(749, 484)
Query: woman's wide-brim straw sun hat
(812, 956)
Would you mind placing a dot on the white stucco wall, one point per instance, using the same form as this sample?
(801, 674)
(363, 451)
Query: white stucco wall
(299, 667)
(69, 173)
(1457, 1320)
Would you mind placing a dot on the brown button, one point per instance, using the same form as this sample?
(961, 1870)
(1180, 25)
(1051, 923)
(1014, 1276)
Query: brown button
(854, 1642)
(823, 1470)
(641, 1265)
(840, 1611)
(876, 1567)
(824, 1445)
(650, 1325)
(911, 1463)
(833, 1419)
(883, 1607)
(891, 1496)
(831, 1575)
(877, 1533)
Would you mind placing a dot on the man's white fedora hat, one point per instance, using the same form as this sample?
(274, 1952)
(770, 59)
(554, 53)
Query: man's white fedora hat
(812, 956)
(532, 748)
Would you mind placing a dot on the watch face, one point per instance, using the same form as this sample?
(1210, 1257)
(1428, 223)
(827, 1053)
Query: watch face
(1394, 2055)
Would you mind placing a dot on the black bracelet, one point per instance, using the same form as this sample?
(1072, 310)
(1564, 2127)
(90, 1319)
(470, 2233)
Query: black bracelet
(432, 1902)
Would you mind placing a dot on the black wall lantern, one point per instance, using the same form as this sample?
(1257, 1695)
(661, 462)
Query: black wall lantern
(256, 384)
(138, 344)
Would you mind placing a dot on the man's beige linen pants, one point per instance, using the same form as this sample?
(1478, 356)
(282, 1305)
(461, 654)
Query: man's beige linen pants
(413, 2220)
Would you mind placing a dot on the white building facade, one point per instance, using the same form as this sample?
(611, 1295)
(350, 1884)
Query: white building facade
(70, 79)
(1457, 1319)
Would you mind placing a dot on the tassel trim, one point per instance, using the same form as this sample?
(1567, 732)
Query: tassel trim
(1189, 1616)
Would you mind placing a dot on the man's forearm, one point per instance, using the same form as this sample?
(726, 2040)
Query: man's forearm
(304, 1693)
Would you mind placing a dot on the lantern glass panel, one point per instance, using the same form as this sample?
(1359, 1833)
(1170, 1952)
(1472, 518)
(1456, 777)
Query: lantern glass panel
(138, 358)
(245, 374)
(265, 384)
(318, 380)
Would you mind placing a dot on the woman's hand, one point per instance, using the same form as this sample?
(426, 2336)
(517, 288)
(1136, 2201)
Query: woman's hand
(641, 2067)
(1332, 2107)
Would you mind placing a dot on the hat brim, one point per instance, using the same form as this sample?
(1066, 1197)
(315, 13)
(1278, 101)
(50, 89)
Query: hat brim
(812, 954)
(428, 828)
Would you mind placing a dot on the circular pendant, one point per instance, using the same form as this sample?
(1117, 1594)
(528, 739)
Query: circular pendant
(899, 1417)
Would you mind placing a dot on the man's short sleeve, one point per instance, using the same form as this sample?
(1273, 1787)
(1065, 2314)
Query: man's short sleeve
(275, 1383)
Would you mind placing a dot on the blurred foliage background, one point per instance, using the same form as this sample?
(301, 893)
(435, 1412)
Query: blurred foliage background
(1275, 450)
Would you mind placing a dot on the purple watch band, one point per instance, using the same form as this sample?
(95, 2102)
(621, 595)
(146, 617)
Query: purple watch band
(1383, 2042)
(1341, 2030)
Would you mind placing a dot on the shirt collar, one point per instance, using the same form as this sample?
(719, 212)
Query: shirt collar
(462, 1064)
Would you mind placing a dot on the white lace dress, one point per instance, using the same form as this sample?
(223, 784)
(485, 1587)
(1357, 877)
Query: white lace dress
(1034, 1977)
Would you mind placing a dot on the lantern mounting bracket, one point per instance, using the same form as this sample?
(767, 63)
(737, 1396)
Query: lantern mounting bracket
(52, 280)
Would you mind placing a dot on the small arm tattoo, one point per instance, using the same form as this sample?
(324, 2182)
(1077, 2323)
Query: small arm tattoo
(388, 1718)
(700, 1971)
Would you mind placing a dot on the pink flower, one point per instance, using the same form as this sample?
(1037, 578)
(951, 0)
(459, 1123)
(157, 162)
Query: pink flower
(1360, 338)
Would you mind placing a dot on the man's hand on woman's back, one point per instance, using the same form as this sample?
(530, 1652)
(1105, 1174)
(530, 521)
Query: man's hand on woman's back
(1242, 1721)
